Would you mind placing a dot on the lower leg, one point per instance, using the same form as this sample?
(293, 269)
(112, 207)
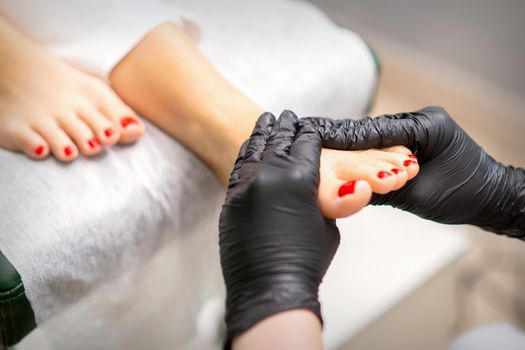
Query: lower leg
(167, 79)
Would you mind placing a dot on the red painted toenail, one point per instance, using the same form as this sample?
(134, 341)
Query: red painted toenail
(346, 188)
(408, 162)
(127, 121)
(395, 170)
(39, 150)
(383, 174)
(108, 132)
(412, 156)
(93, 143)
(68, 151)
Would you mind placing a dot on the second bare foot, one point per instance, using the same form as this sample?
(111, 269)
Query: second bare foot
(49, 107)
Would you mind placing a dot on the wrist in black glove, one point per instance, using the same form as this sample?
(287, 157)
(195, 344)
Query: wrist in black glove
(275, 245)
(458, 182)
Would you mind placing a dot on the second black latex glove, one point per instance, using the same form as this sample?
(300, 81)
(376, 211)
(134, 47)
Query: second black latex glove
(458, 182)
(275, 244)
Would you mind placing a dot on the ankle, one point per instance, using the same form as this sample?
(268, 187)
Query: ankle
(230, 129)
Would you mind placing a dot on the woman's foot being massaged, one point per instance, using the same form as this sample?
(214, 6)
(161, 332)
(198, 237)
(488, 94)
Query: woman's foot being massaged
(207, 114)
(48, 106)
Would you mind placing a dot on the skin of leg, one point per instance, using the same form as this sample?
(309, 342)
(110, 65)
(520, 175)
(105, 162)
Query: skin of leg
(167, 79)
(48, 106)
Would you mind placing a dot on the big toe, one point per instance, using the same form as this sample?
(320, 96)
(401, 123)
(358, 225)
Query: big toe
(131, 128)
(339, 198)
(128, 124)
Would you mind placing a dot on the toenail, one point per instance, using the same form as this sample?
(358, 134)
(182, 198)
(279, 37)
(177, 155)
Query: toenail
(93, 143)
(39, 150)
(127, 121)
(395, 170)
(68, 151)
(412, 156)
(383, 174)
(409, 162)
(346, 188)
(108, 132)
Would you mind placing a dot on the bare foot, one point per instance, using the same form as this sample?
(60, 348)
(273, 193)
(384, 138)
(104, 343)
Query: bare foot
(47, 106)
(212, 118)
(348, 178)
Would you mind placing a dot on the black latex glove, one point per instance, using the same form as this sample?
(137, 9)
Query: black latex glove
(275, 245)
(458, 183)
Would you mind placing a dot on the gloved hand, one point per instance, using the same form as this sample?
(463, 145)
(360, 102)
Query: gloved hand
(458, 183)
(275, 245)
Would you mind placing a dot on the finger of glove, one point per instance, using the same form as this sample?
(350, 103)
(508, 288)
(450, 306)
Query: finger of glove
(420, 131)
(282, 136)
(235, 174)
(260, 134)
(380, 132)
(307, 145)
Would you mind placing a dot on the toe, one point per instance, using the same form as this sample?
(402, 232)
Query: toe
(30, 142)
(395, 164)
(131, 124)
(397, 149)
(80, 133)
(395, 158)
(127, 122)
(59, 142)
(403, 158)
(376, 172)
(411, 166)
(339, 198)
(131, 128)
(381, 177)
(104, 129)
(401, 175)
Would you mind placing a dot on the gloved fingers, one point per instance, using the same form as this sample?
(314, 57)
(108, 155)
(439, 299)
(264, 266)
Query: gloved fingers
(382, 131)
(257, 141)
(283, 134)
(235, 174)
(422, 131)
(307, 145)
